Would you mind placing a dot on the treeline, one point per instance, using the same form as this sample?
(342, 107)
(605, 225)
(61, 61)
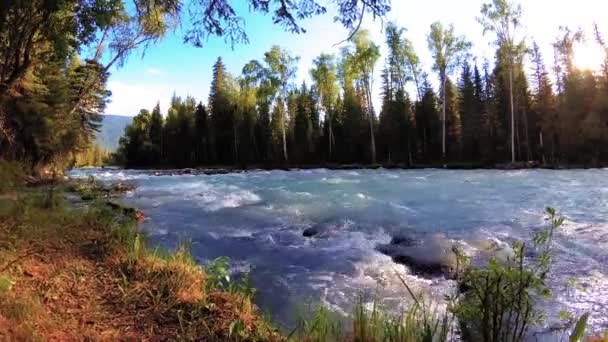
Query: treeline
(94, 155)
(480, 115)
(55, 58)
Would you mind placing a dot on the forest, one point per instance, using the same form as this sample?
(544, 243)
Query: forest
(512, 109)
(56, 58)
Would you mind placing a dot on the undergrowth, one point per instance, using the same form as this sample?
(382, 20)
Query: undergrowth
(163, 293)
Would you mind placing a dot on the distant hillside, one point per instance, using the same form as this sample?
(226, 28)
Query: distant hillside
(112, 128)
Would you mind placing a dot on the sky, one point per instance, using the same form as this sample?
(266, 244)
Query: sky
(172, 66)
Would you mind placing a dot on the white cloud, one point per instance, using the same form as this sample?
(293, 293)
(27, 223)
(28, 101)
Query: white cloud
(129, 98)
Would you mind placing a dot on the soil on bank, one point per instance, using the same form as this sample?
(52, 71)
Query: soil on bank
(71, 274)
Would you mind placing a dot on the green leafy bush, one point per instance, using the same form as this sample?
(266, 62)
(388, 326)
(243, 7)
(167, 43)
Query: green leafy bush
(497, 302)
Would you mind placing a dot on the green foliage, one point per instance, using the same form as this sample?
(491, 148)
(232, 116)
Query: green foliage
(579, 329)
(418, 322)
(259, 117)
(498, 301)
(50, 101)
(219, 276)
(91, 156)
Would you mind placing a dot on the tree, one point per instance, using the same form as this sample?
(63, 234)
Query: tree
(394, 125)
(282, 68)
(403, 66)
(222, 115)
(453, 121)
(428, 123)
(365, 56)
(38, 37)
(470, 111)
(156, 132)
(303, 127)
(503, 18)
(134, 146)
(219, 18)
(448, 52)
(324, 74)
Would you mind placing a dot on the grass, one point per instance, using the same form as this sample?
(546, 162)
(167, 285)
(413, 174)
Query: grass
(418, 322)
(78, 274)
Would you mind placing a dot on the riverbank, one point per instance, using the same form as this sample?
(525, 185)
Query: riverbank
(222, 169)
(82, 272)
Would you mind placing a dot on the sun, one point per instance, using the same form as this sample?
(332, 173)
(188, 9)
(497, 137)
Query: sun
(588, 56)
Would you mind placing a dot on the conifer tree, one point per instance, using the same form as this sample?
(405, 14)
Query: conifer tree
(201, 134)
(470, 111)
(222, 115)
(156, 132)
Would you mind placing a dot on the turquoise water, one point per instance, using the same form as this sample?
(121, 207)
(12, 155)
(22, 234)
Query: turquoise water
(257, 219)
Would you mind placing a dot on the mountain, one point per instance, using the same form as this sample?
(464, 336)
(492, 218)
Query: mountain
(112, 128)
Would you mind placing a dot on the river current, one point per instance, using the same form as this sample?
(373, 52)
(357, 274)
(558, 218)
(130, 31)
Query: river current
(257, 219)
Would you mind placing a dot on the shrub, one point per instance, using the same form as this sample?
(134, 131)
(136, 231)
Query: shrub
(497, 302)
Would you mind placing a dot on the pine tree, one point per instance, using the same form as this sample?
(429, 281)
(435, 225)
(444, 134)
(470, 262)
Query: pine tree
(156, 133)
(303, 125)
(428, 124)
(222, 115)
(277, 124)
(201, 134)
(453, 122)
(470, 111)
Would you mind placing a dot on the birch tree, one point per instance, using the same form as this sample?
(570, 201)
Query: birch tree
(503, 18)
(324, 74)
(366, 55)
(448, 52)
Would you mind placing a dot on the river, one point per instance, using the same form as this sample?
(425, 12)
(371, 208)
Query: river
(257, 219)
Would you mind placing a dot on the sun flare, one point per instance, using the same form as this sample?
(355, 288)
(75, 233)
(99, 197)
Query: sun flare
(588, 56)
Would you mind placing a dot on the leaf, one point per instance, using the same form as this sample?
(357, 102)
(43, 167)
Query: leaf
(579, 329)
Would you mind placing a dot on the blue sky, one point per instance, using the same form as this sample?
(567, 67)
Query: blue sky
(172, 66)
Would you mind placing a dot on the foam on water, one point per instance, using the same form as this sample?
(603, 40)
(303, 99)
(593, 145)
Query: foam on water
(257, 219)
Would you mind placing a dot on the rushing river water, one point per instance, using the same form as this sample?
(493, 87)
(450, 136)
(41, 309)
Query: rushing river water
(257, 219)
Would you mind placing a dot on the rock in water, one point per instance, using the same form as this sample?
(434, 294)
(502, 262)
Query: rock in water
(403, 240)
(313, 231)
(431, 256)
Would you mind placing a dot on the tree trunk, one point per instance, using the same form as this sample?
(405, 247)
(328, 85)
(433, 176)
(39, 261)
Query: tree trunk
(542, 147)
(443, 109)
(284, 136)
(527, 135)
(329, 140)
(512, 111)
(236, 143)
(371, 123)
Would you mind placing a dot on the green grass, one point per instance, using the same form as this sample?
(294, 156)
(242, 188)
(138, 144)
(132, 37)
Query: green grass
(418, 322)
(181, 299)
